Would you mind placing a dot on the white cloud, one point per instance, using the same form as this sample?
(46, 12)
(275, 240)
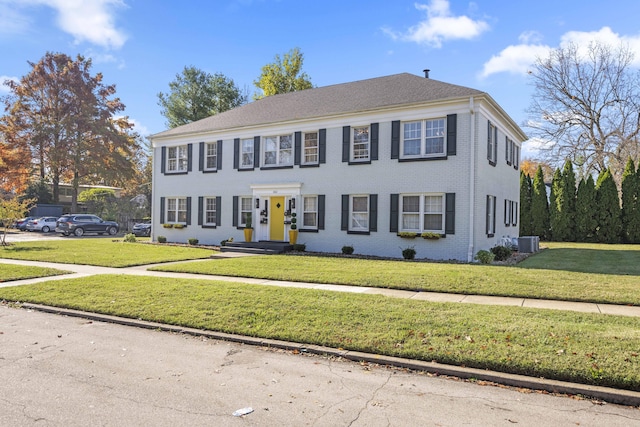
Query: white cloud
(138, 127)
(440, 25)
(91, 21)
(4, 88)
(516, 59)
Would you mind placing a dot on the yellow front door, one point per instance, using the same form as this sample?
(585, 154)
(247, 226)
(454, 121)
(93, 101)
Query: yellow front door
(276, 229)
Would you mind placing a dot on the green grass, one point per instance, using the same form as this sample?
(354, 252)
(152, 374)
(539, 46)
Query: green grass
(608, 276)
(9, 272)
(100, 251)
(587, 348)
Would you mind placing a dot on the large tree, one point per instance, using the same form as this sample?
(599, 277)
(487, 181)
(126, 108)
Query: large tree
(563, 204)
(196, 94)
(539, 207)
(283, 75)
(631, 203)
(586, 108)
(69, 120)
(525, 205)
(607, 207)
(586, 222)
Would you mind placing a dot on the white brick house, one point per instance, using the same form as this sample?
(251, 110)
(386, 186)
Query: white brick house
(358, 163)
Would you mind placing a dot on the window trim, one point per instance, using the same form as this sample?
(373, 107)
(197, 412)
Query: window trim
(178, 158)
(205, 211)
(423, 140)
(278, 151)
(303, 155)
(251, 143)
(491, 216)
(303, 225)
(352, 145)
(206, 156)
(421, 212)
(176, 210)
(492, 143)
(241, 210)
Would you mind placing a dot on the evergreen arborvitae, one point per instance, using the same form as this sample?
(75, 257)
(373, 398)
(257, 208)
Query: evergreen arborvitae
(539, 207)
(555, 196)
(525, 205)
(586, 211)
(631, 203)
(609, 228)
(567, 205)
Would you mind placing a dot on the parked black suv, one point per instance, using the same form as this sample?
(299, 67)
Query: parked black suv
(79, 224)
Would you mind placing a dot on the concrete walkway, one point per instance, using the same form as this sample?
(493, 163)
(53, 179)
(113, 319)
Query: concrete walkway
(89, 270)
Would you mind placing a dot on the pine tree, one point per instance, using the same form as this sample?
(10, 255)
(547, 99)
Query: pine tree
(568, 204)
(631, 203)
(525, 205)
(585, 211)
(555, 196)
(539, 207)
(609, 228)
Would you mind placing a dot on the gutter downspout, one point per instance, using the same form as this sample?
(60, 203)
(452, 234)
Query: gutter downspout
(154, 205)
(472, 180)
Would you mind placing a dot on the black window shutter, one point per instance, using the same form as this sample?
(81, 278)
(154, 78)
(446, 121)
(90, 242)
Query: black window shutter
(321, 211)
(393, 216)
(344, 220)
(495, 144)
(236, 153)
(452, 131)
(494, 214)
(373, 212)
(219, 152)
(322, 145)
(374, 141)
(218, 210)
(515, 213)
(297, 137)
(487, 223)
(189, 156)
(162, 209)
(450, 214)
(235, 211)
(346, 141)
(200, 209)
(489, 152)
(188, 210)
(395, 139)
(256, 151)
(201, 156)
(163, 159)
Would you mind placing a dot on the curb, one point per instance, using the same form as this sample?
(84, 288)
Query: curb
(607, 394)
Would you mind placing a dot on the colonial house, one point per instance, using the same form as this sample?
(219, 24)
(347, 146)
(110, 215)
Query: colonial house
(376, 164)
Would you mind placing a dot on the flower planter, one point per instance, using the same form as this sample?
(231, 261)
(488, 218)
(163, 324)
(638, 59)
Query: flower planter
(248, 234)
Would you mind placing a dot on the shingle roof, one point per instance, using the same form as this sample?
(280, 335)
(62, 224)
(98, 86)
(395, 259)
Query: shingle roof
(362, 95)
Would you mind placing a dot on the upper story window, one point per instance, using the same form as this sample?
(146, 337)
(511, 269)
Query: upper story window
(177, 159)
(278, 150)
(246, 153)
(360, 143)
(311, 149)
(424, 138)
(422, 212)
(211, 156)
(176, 210)
(492, 144)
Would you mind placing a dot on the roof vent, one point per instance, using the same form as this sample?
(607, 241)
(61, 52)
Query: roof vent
(426, 73)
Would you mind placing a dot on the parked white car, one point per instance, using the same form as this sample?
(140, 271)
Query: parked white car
(44, 224)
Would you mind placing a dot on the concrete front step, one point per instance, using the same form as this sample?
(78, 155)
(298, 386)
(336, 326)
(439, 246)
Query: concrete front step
(260, 247)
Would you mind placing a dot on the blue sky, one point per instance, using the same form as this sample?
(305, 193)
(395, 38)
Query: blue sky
(140, 45)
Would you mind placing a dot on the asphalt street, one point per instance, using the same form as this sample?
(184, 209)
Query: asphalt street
(66, 371)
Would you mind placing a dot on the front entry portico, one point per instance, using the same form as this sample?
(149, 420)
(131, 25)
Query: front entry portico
(272, 205)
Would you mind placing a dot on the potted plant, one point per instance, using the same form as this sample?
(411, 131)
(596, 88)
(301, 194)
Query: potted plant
(248, 230)
(293, 233)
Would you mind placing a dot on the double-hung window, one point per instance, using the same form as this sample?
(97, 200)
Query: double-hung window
(211, 156)
(278, 150)
(360, 140)
(492, 144)
(423, 138)
(310, 153)
(359, 213)
(422, 212)
(176, 210)
(247, 153)
(491, 216)
(246, 208)
(177, 159)
(310, 212)
(210, 209)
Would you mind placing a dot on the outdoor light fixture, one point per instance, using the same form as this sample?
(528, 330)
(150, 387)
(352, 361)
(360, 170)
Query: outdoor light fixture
(257, 203)
(292, 203)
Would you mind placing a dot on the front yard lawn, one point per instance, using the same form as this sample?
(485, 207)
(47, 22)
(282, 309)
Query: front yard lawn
(587, 348)
(608, 275)
(9, 272)
(101, 251)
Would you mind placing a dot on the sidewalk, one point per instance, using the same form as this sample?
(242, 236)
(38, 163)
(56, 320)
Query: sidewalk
(89, 270)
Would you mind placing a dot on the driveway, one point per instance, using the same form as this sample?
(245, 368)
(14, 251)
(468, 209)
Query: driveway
(66, 371)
